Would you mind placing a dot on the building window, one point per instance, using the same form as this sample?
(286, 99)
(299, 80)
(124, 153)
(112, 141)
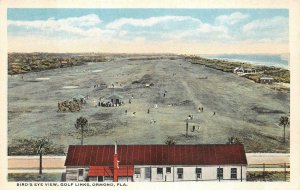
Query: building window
(147, 172)
(168, 169)
(80, 174)
(137, 170)
(159, 170)
(180, 173)
(220, 173)
(199, 173)
(233, 173)
(108, 178)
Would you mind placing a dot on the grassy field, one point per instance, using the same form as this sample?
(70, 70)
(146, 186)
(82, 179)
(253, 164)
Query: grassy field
(28, 177)
(233, 106)
(268, 176)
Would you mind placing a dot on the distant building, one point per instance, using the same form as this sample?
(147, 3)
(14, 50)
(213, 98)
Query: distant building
(115, 99)
(250, 70)
(266, 80)
(156, 163)
(80, 98)
(103, 85)
(242, 70)
(239, 70)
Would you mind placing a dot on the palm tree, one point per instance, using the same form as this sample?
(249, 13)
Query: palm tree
(81, 124)
(284, 121)
(42, 146)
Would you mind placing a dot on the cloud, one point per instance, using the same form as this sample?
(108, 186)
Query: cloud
(266, 24)
(271, 29)
(203, 33)
(84, 25)
(208, 28)
(148, 21)
(91, 32)
(169, 28)
(232, 18)
(16, 44)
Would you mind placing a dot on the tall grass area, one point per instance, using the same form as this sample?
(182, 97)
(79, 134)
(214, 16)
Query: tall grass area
(268, 176)
(21, 63)
(14, 177)
(279, 74)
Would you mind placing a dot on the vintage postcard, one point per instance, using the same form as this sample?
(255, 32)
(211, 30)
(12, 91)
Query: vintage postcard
(106, 94)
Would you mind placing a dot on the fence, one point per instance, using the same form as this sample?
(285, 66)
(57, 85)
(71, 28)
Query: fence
(268, 172)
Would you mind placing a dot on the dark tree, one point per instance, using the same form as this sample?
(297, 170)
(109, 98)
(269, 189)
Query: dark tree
(170, 140)
(233, 140)
(81, 125)
(284, 121)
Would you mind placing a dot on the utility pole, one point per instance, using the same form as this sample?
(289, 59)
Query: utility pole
(284, 171)
(284, 134)
(41, 162)
(187, 128)
(264, 172)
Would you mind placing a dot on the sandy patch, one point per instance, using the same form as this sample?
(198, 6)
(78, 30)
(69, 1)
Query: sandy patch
(70, 87)
(42, 79)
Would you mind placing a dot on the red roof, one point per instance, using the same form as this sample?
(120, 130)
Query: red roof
(208, 154)
(108, 171)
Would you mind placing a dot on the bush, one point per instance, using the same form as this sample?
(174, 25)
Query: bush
(170, 140)
(24, 147)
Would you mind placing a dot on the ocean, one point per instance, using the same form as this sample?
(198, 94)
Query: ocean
(279, 60)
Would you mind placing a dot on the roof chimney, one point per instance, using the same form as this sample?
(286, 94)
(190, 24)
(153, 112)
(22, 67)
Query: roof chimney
(116, 147)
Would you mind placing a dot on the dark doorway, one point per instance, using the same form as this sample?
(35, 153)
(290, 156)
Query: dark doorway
(100, 178)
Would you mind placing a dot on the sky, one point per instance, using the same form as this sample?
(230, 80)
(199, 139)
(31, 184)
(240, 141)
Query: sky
(180, 31)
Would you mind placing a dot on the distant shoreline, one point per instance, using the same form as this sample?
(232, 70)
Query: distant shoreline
(276, 60)
(280, 75)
